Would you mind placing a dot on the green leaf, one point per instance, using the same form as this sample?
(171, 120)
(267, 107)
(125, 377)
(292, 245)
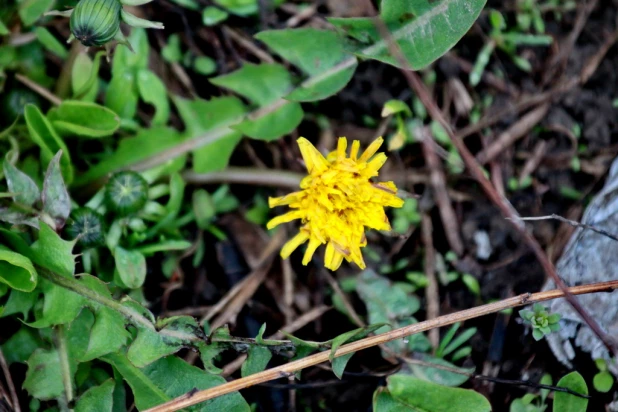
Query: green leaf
(31, 10)
(3, 29)
(121, 95)
(98, 398)
(19, 302)
(159, 382)
(386, 303)
(257, 359)
(20, 346)
(147, 142)
(383, 401)
(84, 119)
(43, 134)
(164, 246)
(204, 65)
(201, 116)
(174, 334)
(423, 30)
(17, 271)
(53, 253)
(60, 306)
(83, 69)
(565, 402)
(315, 52)
(127, 60)
(108, 333)
(203, 208)
(171, 51)
(395, 106)
(440, 376)
(50, 42)
(153, 91)
(55, 197)
(211, 16)
(43, 378)
(339, 363)
(263, 84)
(420, 395)
(25, 190)
(603, 381)
(131, 267)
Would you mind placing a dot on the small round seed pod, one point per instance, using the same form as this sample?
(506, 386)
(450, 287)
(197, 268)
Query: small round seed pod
(95, 22)
(88, 225)
(126, 192)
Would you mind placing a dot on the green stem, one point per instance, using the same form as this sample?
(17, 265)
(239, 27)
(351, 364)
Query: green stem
(65, 366)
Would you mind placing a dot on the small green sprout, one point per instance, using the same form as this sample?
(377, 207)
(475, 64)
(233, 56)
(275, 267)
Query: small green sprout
(542, 322)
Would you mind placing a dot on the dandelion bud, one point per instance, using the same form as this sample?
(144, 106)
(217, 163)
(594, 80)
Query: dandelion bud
(95, 22)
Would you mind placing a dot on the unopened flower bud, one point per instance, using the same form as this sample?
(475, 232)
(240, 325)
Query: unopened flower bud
(95, 22)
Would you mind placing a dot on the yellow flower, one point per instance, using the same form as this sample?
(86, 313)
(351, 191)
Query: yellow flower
(337, 202)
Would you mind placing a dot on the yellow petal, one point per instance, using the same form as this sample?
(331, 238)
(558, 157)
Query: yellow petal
(354, 150)
(342, 145)
(371, 150)
(314, 160)
(284, 200)
(288, 217)
(314, 243)
(329, 254)
(375, 164)
(291, 245)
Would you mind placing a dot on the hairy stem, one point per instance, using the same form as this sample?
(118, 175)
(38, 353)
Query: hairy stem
(65, 366)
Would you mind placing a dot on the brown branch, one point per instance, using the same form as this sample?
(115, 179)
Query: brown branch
(431, 291)
(9, 382)
(287, 369)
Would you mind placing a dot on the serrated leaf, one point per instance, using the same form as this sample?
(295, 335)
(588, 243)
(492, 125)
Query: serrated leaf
(25, 190)
(55, 197)
(17, 271)
(153, 91)
(422, 395)
(131, 267)
(53, 253)
(19, 303)
(84, 119)
(43, 134)
(159, 383)
(315, 52)
(565, 402)
(60, 306)
(98, 398)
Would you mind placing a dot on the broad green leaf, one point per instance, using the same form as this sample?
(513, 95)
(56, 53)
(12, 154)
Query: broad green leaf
(17, 271)
(44, 375)
(50, 42)
(174, 334)
(201, 116)
(108, 333)
(43, 134)
(440, 376)
(127, 60)
(84, 119)
(81, 72)
(565, 402)
(153, 91)
(31, 10)
(420, 395)
(147, 142)
(602, 381)
(98, 398)
(159, 383)
(53, 253)
(131, 267)
(316, 53)
(60, 306)
(55, 197)
(121, 95)
(25, 190)
(263, 84)
(258, 356)
(424, 30)
(20, 346)
(383, 401)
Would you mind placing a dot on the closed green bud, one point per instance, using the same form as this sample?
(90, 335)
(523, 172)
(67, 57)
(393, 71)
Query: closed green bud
(95, 22)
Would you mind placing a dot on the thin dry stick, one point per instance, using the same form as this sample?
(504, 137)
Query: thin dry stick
(53, 99)
(572, 223)
(286, 370)
(9, 382)
(431, 291)
(247, 175)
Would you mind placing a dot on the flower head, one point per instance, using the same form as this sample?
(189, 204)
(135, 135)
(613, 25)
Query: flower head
(337, 202)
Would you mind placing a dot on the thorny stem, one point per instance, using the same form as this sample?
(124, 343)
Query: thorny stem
(417, 85)
(288, 369)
